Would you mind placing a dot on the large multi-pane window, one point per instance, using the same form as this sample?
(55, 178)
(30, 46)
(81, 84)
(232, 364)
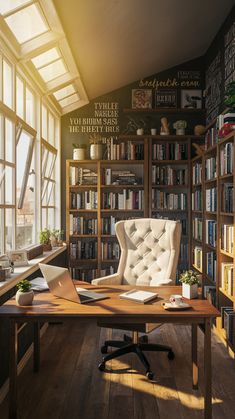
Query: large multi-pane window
(29, 164)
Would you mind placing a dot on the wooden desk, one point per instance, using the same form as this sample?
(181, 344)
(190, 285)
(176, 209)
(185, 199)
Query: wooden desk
(46, 307)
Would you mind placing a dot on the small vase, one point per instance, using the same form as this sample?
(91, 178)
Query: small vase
(79, 154)
(96, 151)
(140, 131)
(190, 291)
(24, 298)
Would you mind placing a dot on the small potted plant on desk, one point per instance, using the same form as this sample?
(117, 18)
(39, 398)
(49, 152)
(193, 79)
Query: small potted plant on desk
(44, 238)
(190, 282)
(24, 295)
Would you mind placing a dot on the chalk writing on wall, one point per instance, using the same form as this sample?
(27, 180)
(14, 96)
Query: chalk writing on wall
(213, 87)
(103, 119)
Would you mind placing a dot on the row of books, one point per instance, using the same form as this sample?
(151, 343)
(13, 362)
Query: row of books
(210, 293)
(211, 232)
(212, 135)
(183, 221)
(169, 151)
(197, 257)
(83, 249)
(227, 322)
(110, 250)
(84, 274)
(108, 224)
(226, 159)
(126, 199)
(211, 264)
(169, 176)
(211, 168)
(197, 173)
(211, 200)
(168, 201)
(227, 237)
(119, 177)
(227, 277)
(183, 251)
(84, 200)
(197, 200)
(227, 197)
(82, 225)
(197, 228)
(82, 176)
(126, 150)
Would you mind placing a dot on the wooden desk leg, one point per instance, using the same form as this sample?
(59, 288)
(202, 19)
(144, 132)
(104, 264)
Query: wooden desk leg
(194, 357)
(36, 346)
(13, 370)
(207, 370)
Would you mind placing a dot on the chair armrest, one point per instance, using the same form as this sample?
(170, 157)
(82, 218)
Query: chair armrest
(160, 282)
(114, 279)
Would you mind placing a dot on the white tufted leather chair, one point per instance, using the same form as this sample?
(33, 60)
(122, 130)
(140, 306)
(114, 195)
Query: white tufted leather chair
(149, 257)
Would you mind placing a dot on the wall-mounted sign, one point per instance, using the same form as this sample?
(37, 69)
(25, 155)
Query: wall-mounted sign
(166, 99)
(191, 99)
(141, 99)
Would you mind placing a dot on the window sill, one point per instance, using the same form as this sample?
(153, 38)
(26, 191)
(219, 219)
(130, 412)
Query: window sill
(23, 272)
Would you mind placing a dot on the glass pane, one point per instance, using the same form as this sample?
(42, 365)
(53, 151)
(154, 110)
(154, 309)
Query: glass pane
(50, 165)
(7, 84)
(21, 159)
(9, 179)
(9, 141)
(33, 21)
(44, 122)
(48, 196)
(46, 57)
(69, 100)
(45, 155)
(66, 91)
(53, 70)
(25, 220)
(44, 218)
(1, 138)
(9, 217)
(19, 97)
(1, 231)
(2, 183)
(8, 5)
(51, 218)
(51, 128)
(30, 108)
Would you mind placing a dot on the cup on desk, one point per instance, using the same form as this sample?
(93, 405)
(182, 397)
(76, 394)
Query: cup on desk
(176, 300)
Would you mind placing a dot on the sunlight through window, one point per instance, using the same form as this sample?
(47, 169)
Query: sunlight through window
(69, 100)
(53, 70)
(7, 6)
(46, 57)
(66, 91)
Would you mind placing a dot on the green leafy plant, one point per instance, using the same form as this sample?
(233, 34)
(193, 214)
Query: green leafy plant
(24, 285)
(95, 139)
(230, 95)
(58, 234)
(44, 236)
(189, 277)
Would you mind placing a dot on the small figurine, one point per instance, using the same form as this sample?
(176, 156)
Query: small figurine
(180, 126)
(199, 129)
(164, 127)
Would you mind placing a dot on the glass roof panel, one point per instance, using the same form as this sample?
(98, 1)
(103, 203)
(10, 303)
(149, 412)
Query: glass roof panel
(69, 100)
(27, 23)
(7, 5)
(53, 70)
(66, 91)
(46, 57)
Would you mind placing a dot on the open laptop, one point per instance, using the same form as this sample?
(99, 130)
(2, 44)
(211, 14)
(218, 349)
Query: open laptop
(61, 284)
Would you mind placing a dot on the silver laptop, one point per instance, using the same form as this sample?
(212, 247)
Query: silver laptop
(61, 284)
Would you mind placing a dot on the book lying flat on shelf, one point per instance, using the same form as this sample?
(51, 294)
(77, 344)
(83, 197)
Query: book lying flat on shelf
(139, 296)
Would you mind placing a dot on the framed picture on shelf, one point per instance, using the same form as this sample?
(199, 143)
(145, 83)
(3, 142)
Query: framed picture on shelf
(141, 99)
(18, 257)
(166, 98)
(191, 99)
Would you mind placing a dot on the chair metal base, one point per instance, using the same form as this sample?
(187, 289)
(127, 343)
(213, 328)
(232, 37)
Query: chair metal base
(137, 348)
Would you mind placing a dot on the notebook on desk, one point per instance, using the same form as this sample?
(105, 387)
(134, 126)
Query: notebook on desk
(61, 285)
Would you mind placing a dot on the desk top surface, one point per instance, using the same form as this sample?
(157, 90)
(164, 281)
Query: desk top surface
(47, 306)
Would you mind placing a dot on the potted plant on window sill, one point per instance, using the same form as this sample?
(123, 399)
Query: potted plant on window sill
(190, 282)
(56, 238)
(24, 295)
(44, 238)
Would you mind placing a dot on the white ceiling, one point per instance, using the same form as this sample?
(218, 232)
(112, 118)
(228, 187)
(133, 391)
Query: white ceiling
(116, 42)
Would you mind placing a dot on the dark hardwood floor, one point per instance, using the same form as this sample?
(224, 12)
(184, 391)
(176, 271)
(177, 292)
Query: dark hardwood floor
(70, 386)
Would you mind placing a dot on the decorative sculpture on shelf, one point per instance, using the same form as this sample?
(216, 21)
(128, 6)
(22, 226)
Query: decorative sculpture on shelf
(164, 127)
(199, 129)
(180, 126)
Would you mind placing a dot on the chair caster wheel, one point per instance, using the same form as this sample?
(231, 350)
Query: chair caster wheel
(150, 375)
(101, 366)
(104, 349)
(171, 355)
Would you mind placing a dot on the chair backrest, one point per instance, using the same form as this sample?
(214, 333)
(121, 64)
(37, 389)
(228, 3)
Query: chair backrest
(149, 250)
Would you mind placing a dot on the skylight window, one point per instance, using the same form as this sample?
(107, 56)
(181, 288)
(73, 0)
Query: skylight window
(7, 6)
(46, 57)
(27, 23)
(66, 91)
(69, 100)
(53, 70)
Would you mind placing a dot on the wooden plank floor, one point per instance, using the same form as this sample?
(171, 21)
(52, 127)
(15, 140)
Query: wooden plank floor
(70, 386)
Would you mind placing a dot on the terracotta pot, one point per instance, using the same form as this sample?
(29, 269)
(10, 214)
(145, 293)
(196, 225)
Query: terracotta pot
(24, 298)
(47, 247)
